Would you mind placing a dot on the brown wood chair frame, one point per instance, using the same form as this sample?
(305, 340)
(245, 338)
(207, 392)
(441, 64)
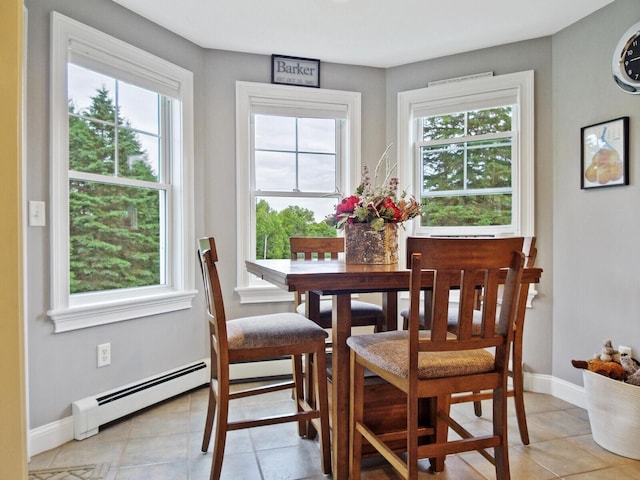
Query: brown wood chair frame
(310, 419)
(419, 364)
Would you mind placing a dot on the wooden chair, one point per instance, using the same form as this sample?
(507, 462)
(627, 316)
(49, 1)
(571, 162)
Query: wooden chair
(516, 373)
(319, 248)
(260, 337)
(435, 364)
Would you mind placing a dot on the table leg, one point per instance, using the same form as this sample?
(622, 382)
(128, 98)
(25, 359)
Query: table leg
(341, 329)
(390, 308)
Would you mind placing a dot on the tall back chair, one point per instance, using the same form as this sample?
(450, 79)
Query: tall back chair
(323, 248)
(517, 390)
(259, 338)
(435, 364)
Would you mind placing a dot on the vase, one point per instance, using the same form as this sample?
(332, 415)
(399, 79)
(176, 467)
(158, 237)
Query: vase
(364, 245)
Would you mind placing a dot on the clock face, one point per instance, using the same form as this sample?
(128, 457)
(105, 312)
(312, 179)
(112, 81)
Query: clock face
(626, 61)
(631, 60)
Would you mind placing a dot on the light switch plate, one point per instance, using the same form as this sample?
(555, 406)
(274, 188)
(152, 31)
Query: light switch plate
(37, 214)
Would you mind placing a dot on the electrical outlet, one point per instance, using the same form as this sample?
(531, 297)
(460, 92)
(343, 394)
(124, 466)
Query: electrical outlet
(104, 355)
(624, 350)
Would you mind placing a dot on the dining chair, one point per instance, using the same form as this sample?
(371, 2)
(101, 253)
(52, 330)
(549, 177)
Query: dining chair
(260, 337)
(516, 390)
(320, 249)
(435, 364)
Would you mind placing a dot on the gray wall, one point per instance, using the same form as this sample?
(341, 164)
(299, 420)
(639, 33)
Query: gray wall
(575, 229)
(595, 232)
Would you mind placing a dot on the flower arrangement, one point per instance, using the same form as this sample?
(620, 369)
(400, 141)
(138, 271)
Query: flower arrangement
(376, 205)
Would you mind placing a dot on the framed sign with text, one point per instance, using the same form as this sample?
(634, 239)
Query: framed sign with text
(304, 72)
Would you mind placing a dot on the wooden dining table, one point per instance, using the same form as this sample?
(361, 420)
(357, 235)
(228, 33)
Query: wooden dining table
(341, 280)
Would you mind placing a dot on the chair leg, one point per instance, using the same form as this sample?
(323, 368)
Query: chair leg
(298, 392)
(356, 416)
(208, 425)
(222, 419)
(501, 452)
(477, 407)
(412, 436)
(322, 403)
(518, 395)
(441, 407)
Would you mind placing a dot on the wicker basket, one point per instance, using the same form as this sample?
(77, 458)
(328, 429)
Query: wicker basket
(614, 413)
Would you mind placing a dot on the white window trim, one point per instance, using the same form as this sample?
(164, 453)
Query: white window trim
(109, 307)
(250, 289)
(522, 83)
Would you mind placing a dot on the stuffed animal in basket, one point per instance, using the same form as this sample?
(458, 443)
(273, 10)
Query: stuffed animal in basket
(608, 369)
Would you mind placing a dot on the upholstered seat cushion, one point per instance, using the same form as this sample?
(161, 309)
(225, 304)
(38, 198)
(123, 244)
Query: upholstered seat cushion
(272, 330)
(453, 319)
(390, 351)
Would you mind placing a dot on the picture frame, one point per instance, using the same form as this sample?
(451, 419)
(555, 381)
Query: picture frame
(604, 154)
(299, 71)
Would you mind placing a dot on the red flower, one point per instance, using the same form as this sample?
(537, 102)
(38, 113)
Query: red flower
(348, 205)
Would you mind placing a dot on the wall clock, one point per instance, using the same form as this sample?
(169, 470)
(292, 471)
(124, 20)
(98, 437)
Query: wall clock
(626, 61)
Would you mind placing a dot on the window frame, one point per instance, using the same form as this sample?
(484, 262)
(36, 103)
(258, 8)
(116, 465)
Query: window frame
(457, 96)
(72, 312)
(250, 94)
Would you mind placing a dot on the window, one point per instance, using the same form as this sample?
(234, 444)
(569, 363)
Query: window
(121, 180)
(469, 147)
(298, 152)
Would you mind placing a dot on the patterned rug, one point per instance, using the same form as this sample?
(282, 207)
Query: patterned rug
(81, 472)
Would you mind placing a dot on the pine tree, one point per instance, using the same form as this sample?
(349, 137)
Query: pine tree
(114, 229)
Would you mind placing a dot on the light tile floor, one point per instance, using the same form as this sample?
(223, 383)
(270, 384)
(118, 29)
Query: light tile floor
(163, 443)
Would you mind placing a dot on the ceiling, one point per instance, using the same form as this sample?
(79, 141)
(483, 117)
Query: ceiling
(376, 33)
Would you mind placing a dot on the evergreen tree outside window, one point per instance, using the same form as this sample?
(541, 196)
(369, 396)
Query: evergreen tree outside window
(122, 240)
(466, 149)
(116, 199)
(466, 168)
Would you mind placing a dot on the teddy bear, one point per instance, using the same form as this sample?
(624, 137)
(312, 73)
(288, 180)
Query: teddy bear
(609, 369)
(608, 353)
(632, 367)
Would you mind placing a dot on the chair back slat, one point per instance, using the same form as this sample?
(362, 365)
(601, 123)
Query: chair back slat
(319, 248)
(467, 265)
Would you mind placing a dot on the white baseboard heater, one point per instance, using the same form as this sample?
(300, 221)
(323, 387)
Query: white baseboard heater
(92, 412)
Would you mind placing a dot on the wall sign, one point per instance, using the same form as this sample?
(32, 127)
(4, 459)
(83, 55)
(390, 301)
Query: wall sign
(295, 71)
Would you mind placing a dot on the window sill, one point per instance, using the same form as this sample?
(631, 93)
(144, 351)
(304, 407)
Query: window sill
(86, 316)
(266, 294)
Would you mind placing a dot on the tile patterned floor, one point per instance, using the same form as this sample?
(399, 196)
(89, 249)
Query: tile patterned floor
(163, 443)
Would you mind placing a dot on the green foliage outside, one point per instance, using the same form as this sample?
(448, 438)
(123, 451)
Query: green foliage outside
(114, 230)
(274, 228)
(463, 164)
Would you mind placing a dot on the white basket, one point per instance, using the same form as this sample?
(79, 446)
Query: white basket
(614, 413)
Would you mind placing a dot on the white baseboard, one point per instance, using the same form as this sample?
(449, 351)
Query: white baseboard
(556, 387)
(59, 432)
(50, 436)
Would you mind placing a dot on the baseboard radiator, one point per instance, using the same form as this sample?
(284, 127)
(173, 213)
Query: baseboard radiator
(92, 412)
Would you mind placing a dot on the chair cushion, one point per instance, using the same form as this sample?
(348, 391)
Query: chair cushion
(359, 310)
(272, 330)
(390, 351)
(453, 319)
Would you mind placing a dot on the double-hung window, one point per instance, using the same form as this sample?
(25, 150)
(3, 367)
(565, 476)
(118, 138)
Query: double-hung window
(121, 180)
(469, 148)
(298, 151)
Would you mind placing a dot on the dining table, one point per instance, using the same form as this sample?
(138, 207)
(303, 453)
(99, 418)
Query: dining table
(340, 280)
